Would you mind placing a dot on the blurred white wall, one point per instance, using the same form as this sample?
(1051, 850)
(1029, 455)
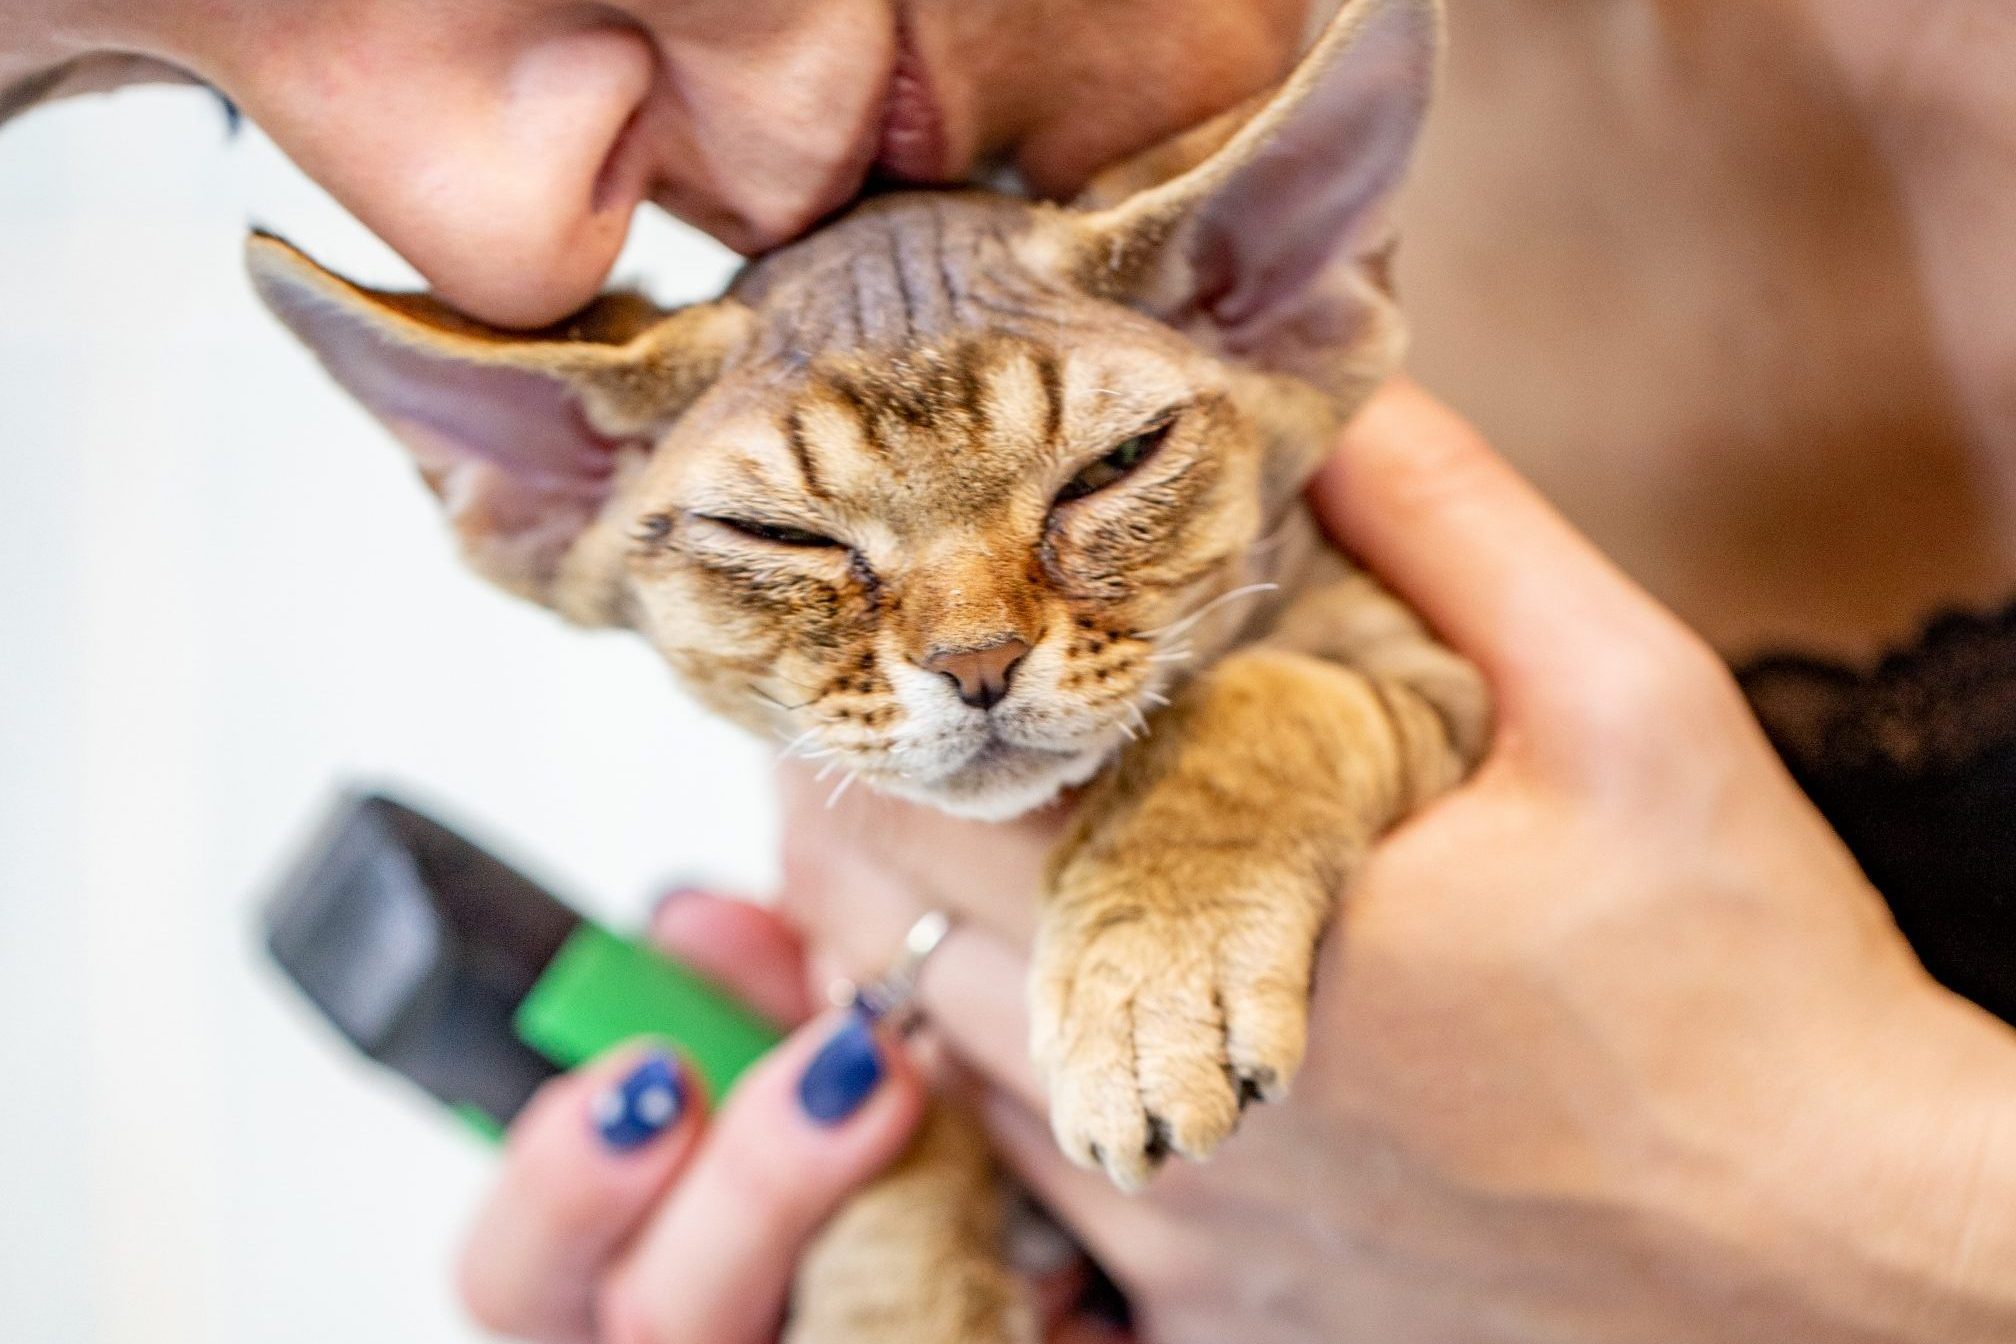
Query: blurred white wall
(222, 590)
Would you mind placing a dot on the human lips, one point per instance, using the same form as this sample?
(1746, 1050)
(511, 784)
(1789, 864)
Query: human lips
(903, 140)
(900, 137)
(912, 147)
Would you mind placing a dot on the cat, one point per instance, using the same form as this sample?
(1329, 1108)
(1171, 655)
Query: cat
(987, 500)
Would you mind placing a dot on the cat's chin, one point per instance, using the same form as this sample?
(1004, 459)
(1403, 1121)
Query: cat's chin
(1004, 785)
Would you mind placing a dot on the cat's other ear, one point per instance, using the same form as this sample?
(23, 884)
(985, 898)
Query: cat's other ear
(1266, 234)
(521, 434)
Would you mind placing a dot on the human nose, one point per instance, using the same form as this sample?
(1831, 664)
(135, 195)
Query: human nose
(502, 180)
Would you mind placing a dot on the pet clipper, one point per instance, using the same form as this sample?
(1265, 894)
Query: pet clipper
(437, 959)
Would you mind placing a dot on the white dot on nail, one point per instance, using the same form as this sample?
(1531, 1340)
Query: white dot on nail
(654, 1105)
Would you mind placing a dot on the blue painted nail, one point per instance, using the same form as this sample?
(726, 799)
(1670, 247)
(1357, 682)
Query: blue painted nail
(646, 1103)
(846, 1069)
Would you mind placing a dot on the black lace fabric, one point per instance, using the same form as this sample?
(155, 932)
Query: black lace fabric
(1913, 760)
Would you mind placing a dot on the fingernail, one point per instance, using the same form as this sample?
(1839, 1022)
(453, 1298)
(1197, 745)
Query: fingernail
(646, 1103)
(675, 893)
(842, 1075)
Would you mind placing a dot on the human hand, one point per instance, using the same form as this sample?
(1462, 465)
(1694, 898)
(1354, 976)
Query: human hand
(1615, 1043)
(678, 1225)
(635, 1225)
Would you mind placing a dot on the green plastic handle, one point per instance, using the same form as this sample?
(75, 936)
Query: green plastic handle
(601, 990)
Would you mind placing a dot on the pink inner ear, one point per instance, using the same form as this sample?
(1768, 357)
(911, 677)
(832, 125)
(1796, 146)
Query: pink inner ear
(520, 472)
(527, 427)
(1315, 196)
(503, 440)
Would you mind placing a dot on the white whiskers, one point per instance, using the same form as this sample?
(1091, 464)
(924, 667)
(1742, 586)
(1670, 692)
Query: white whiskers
(1189, 622)
(792, 748)
(1273, 541)
(839, 790)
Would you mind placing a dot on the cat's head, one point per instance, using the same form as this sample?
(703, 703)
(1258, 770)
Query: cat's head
(933, 493)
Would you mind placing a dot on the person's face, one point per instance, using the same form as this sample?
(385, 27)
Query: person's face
(502, 146)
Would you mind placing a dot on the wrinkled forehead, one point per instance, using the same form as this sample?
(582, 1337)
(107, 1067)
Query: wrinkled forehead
(914, 277)
(909, 353)
(927, 432)
(906, 270)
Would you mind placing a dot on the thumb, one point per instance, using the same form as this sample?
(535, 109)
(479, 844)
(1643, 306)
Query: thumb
(749, 950)
(1415, 492)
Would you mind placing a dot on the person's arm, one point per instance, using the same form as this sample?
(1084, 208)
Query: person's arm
(1615, 1043)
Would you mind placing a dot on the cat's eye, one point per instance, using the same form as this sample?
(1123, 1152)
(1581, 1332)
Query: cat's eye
(1130, 454)
(772, 532)
(652, 528)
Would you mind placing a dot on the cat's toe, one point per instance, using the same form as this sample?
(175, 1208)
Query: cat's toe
(1133, 1042)
(1126, 1121)
(1266, 1033)
(1100, 1123)
(1181, 1065)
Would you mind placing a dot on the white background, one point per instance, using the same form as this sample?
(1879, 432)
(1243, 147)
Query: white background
(221, 592)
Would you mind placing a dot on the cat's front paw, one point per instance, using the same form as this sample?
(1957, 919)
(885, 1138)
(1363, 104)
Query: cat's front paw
(1159, 1014)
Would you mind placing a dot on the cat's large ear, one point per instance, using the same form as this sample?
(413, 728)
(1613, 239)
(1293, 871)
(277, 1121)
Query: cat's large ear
(1266, 235)
(521, 435)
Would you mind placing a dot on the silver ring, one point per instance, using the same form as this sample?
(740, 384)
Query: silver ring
(893, 994)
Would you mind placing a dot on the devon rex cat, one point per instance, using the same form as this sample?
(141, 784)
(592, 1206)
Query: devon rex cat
(960, 492)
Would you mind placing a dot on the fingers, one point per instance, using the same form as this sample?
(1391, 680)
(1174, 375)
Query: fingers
(1119, 1230)
(1087, 1331)
(629, 1220)
(1060, 1300)
(1090, 1332)
(753, 953)
(908, 855)
(1417, 494)
(804, 1129)
(621, 1215)
(974, 986)
(587, 1160)
(975, 994)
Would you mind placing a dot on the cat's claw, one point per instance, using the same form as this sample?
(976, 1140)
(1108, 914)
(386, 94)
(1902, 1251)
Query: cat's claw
(1156, 1030)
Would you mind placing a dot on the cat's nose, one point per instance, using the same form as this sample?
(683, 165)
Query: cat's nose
(982, 673)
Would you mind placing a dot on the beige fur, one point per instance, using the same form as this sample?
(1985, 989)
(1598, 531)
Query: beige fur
(917, 1256)
(1061, 452)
